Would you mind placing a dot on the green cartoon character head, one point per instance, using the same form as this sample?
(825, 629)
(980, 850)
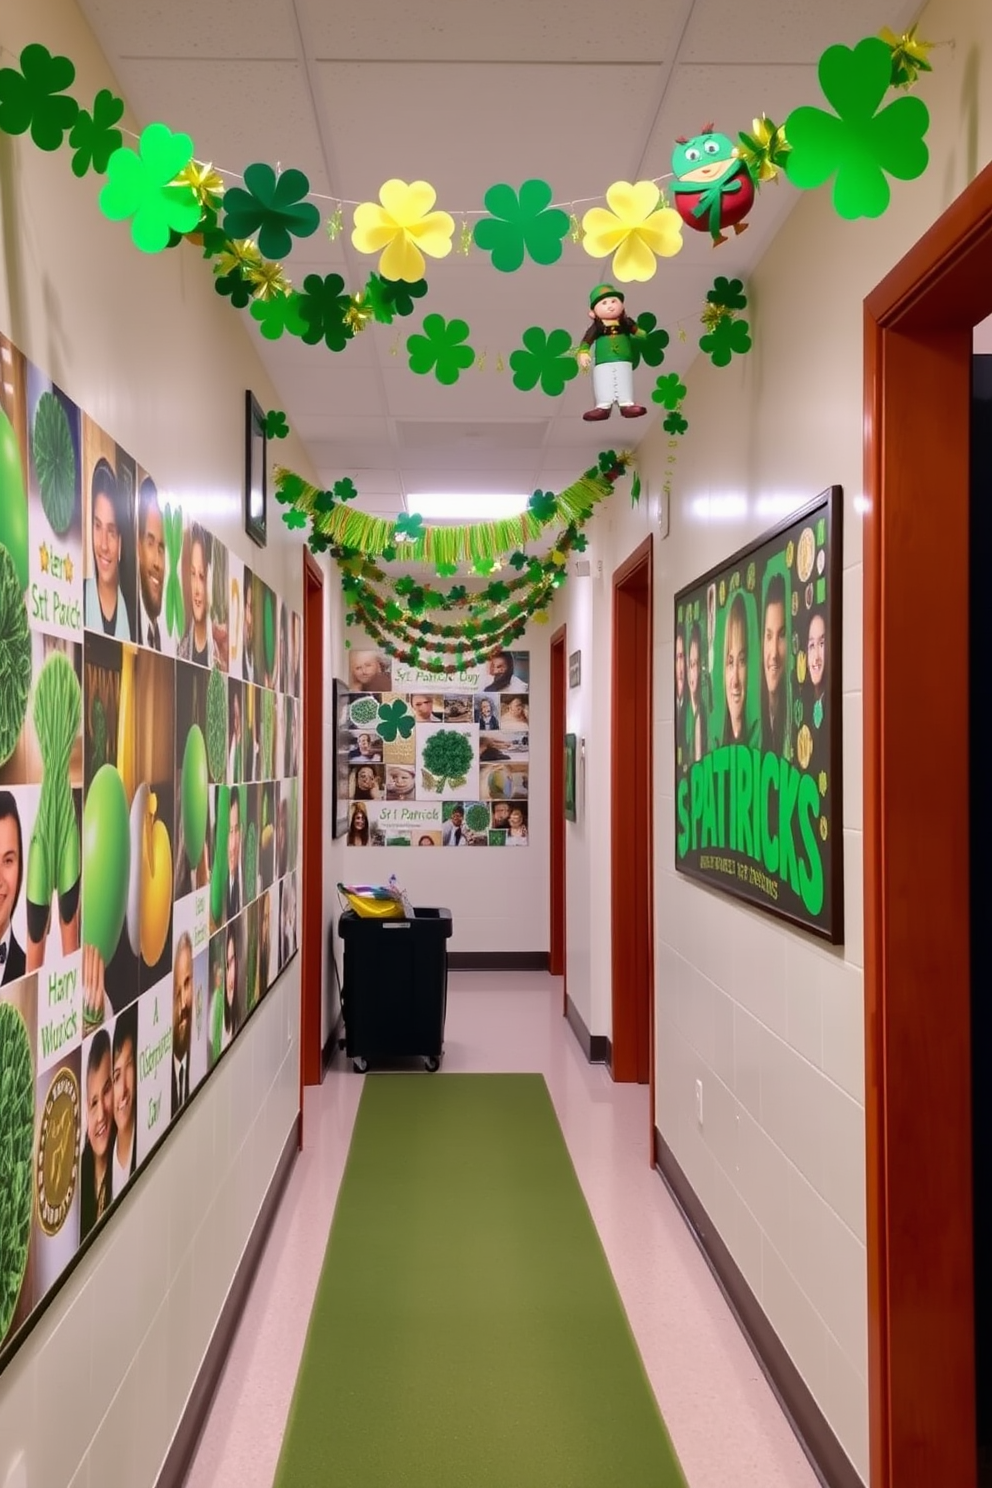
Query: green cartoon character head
(713, 188)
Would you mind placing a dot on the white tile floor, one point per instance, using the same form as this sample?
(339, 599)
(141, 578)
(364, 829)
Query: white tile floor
(726, 1425)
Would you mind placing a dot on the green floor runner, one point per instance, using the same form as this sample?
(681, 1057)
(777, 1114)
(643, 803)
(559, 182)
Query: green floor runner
(467, 1332)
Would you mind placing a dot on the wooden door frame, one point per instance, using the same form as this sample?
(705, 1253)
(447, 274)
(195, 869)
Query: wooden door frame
(311, 979)
(557, 961)
(918, 345)
(631, 809)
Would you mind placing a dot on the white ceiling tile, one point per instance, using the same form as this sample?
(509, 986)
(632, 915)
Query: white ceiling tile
(237, 112)
(463, 30)
(788, 31)
(187, 28)
(465, 128)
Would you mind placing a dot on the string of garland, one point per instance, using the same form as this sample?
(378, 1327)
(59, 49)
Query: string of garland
(415, 621)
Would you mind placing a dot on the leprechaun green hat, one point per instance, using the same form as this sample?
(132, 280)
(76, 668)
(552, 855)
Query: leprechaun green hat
(600, 293)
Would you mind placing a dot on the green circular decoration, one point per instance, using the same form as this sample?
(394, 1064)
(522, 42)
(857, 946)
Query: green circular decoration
(477, 818)
(54, 462)
(15, 655)
(13, 500)
(16, 1148)
(217, 725)
(106, 861)
(193, 794)
(364, 712)
(448, 756)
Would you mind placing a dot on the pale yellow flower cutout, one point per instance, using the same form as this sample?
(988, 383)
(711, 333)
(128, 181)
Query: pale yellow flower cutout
(405, 228)
(637, 231)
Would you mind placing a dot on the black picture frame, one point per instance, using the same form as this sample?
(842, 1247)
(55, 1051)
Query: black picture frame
(340, 773)
(256, 471)
(570, 803)
(740, 763)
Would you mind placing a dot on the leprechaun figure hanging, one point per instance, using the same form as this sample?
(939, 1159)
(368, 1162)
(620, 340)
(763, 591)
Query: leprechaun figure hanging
(608, 345)
(713, 188)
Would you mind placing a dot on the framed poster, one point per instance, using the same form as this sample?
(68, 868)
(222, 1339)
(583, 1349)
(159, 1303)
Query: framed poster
(570, 742)
(256, 483)
(758, 786)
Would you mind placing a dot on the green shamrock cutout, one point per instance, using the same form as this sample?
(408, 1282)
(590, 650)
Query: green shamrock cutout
(395, 721)
(323, 502)
(323, 305)
(728, 337)
(727, 292)
(518, 560)
(410, 525)
(457, 593)
(441, 349)
(281, 313)
(446, 570)
(520, 226)
(388, 298)
(393, 612)
(94, 138)
(405, 585)
(543, 505)
(294, 518)
(669, 390)
(859, 143)
(650, 348)
(139, 186)
(345, 489)
(484, 566)
(608, 462)
(276, 426)
(546, 358)
(272, 206)
(580, 542)
(675, 423)
(34, 97)
(497, 593)
(237, 286)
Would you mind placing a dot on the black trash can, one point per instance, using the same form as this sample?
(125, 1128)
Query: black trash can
(395, 986)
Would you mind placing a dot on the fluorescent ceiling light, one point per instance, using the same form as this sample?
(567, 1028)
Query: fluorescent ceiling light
(454, 506)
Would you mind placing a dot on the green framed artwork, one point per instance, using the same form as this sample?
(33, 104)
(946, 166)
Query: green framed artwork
(758, 802)
(570, 748)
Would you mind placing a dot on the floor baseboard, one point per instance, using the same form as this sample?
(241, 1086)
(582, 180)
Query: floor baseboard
(595, 1046)
(497, 960)
(179, 1458)
(826, 1455)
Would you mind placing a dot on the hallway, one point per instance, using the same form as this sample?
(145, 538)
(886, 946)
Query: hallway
(726, 1425)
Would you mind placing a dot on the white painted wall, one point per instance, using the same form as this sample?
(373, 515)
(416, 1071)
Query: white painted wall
(148, 348)
(769, 1019)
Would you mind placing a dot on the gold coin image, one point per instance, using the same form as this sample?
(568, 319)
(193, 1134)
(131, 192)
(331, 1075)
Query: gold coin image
(57, 1160)
(805, 554)
(821, 560)
(795, 603)
(823, 828)
(801, 668)
(804, 746)
(790, 553)
(809, 596)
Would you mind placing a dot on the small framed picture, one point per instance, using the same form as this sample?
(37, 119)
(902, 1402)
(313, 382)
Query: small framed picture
(570, 811)
(256, 480)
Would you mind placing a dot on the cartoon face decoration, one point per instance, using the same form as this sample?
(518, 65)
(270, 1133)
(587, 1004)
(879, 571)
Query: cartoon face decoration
(704, 158)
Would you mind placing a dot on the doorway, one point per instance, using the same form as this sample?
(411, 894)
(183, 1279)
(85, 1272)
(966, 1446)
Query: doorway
(557, 964)
(311, 1052)
(631, 812)
(918, 1100)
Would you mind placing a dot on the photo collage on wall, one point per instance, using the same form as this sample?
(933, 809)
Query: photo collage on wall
(429, 761)
(149, 819)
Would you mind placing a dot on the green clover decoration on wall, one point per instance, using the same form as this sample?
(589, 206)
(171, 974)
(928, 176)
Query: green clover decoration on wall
(34, 98)
(858, 144)
(674, 423)
(727, 338)
(94, 137)
(441, 349)
(546, 358)
(276, 425)
(140, 186)
(273, 206)
(395, 721)
(521, 225)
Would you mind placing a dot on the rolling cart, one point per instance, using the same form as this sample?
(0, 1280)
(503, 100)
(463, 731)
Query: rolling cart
(395, 986)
